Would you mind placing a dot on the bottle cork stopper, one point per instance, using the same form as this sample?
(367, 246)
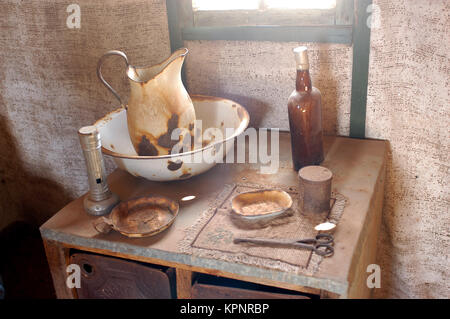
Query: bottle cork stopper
(301, 58)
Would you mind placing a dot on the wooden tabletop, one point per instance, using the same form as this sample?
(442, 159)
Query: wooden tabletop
(358, 169)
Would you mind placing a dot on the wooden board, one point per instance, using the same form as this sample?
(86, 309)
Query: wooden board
(356, 164)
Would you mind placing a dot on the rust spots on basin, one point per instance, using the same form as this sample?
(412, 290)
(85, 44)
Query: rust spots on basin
(186, 173)
(173, 166)
(185, 176)
(146, 148)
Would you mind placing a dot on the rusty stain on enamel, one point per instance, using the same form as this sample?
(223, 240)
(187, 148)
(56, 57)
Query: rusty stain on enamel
(173, 166)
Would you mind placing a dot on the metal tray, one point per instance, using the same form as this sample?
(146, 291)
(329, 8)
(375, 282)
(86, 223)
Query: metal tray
(140, 217)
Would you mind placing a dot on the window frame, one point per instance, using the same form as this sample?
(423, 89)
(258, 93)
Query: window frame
(331, 29)
(351, 28)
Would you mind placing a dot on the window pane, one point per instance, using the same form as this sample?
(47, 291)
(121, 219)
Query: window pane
(300, 4)
(205, 5)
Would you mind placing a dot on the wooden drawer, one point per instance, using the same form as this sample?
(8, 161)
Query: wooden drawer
(105, 277)
(210, 287)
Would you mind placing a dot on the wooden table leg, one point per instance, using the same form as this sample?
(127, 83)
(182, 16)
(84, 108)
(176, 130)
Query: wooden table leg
(57, 258)
(184, 283)
(366, 254)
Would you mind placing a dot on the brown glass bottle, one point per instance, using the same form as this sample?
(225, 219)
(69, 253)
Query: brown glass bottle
(305, 116)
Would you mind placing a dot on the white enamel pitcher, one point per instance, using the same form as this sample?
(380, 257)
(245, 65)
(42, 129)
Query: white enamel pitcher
(158, 103)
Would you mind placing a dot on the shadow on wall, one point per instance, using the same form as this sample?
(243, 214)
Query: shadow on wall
(23, 195)
(327, 81)
(385, 247)
(26, 201)
(23, 265)
(256, 108)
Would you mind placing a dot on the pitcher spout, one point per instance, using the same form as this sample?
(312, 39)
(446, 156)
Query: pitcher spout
(145, 74)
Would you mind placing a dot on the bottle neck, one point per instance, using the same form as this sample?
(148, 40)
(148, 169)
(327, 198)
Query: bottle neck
(303, 81)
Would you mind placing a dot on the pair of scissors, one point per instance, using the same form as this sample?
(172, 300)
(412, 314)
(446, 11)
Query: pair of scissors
(322, 244)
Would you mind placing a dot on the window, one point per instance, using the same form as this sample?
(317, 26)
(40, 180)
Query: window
(187, 23)
(204, 5)
(263, 12)
(260, 20)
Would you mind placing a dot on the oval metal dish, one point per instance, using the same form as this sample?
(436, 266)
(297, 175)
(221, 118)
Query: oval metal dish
(260, 207)
(140, 217)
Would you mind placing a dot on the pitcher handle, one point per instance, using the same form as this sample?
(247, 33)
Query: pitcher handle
(99, 70)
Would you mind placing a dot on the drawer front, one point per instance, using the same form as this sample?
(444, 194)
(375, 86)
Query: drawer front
(105, 277)
(200, 291)
(207, 287)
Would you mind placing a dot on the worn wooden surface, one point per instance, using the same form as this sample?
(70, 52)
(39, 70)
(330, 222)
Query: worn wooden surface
(58, 260)
(366, 252)
(356, 165)
(184, 283)
(207, 291)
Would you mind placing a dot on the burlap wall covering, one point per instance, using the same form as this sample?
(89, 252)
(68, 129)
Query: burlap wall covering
(261, 76)
(408, 104)
(48, 89)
